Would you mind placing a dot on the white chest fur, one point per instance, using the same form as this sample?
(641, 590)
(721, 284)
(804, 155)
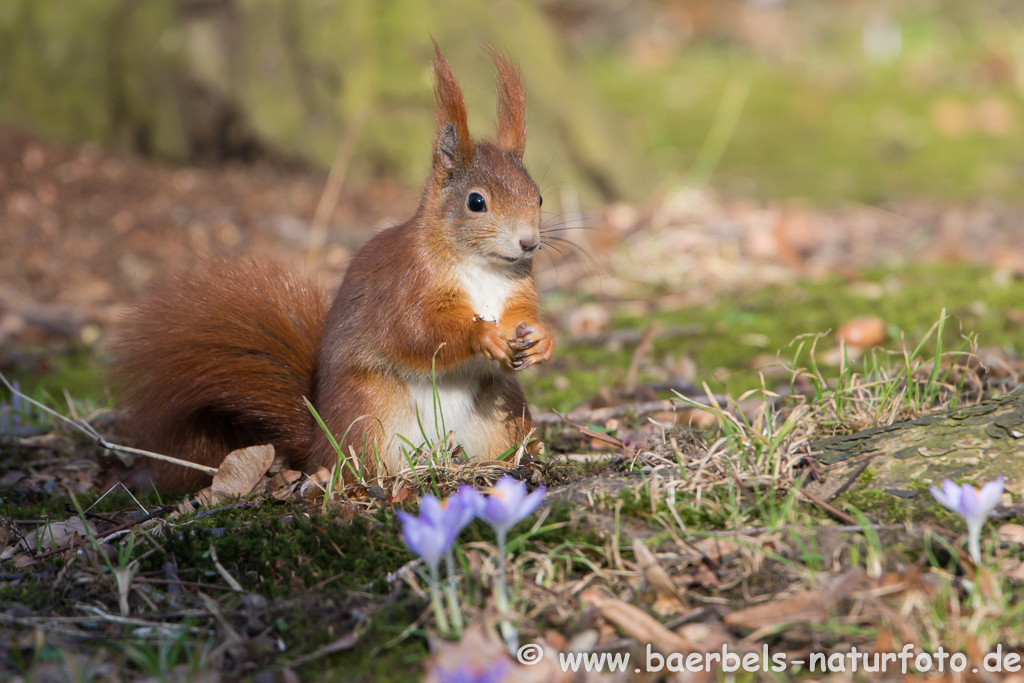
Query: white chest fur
(487, 288)
(440, 406)
(448, 404)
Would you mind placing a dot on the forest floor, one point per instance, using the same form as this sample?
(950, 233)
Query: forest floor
(684, 524)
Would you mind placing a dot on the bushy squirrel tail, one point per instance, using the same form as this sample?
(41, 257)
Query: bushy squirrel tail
(220, 357)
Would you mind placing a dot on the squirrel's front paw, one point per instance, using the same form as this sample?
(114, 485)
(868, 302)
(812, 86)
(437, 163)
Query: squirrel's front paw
(492, 343)
(533, 344)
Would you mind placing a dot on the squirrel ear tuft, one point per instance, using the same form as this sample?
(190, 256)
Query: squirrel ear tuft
(511, 105)
(453, 148)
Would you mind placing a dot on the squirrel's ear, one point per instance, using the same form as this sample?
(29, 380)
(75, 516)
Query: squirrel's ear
(453, 148)
(511, 105)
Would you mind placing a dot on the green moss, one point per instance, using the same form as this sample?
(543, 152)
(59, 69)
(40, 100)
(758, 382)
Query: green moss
(324, 576)
(55, 504)
(274, 557)
(385, 657)
(772, 318)
(885, 508)
(38, 596)
(914, 505)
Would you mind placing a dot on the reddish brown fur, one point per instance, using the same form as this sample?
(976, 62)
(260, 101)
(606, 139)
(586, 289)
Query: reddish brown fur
(218, 358)
(450, 110)
(222, 359)
(511, 105)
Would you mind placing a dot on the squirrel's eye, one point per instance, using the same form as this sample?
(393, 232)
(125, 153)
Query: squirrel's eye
(475, 202)
(540, 200)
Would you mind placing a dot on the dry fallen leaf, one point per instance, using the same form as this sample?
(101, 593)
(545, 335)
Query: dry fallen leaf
(995, 116)
(1012, 533)
(316, 484)
(54, 535)
(668, 598)
(1014, 572)
(884, 641)
(717, 549)
(797, 233)
(951, 117)
(6, 530)
(586, 319)
(282, 485)
(238, 475)
(11, 478)
(863, 332)
(809, 606)
(707, 638)
(403, 495)
(556, 641)
(637, 623)
(704, 577)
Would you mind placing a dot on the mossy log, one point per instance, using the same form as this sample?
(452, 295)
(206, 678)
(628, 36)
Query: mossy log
(976, 443)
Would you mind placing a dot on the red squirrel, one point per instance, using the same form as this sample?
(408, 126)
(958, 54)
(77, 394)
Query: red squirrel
(222, 356)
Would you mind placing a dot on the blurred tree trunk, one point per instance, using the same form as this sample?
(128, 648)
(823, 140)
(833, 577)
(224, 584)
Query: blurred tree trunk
(210, 79)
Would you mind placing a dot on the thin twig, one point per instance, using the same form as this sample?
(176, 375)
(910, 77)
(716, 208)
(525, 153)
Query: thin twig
(127, 525)
(854, 476)
(346, 642)
(754, 531)
(601, 415)
(119, 619)
(586, 431)
(332, 188)
(88, 430)
(224, 574)
(639, 353)
(231, 636)
(835, 512)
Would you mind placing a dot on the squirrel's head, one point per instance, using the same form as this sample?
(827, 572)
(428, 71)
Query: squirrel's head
(480, 190)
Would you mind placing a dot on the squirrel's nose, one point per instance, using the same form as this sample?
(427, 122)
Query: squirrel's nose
(530, 243)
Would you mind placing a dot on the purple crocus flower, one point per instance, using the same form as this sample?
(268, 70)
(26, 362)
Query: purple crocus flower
(456, 512)
(462, 506)
(464, 674)
(509, 504)
(431, 533)
(974, 505)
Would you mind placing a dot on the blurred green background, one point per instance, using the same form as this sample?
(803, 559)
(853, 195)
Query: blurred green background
(863, 101)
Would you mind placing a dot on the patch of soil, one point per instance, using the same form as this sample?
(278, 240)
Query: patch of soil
(83, 231)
